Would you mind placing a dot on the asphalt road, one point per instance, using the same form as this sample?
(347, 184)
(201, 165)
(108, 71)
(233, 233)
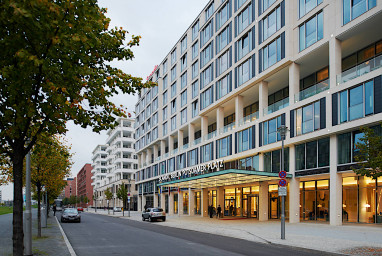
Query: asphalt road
(104, 235)
(6, 234)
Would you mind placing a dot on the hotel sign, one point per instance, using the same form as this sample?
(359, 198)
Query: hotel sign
(196, 170)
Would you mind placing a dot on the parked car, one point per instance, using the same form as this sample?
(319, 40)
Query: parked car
(117, 209)
(80, 209)
(153, 214)
(70, 215)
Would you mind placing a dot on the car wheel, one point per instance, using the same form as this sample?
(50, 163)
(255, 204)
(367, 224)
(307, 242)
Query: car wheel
(150, 219)
(164, 218)
(143, 218)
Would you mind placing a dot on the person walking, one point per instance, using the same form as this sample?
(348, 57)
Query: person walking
(54, 209)
(211, 211)
(219, 213)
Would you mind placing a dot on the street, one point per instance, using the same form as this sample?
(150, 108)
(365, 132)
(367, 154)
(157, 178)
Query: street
(104, 235)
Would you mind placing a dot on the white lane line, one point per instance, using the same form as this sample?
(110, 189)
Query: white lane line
(70, 248)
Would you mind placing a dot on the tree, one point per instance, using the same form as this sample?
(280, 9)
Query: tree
(368, 153)
(50, 164)
(122, 194)
(54, 67)
(108, 196)
(65, 201)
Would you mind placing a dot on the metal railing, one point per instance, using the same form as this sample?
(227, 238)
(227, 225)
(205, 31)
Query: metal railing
(276, 106)
(249, 118)
(359, 70)
(227, 128)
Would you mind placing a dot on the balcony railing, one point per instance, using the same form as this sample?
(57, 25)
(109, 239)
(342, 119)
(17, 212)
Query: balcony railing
(250, 118)
(210, 135)
(165, 155)
(276, 106)
(359, 70)
(311, 91)
(174, 151)
(197, 141)
(157, 159)
(185, 146)
(227, 128)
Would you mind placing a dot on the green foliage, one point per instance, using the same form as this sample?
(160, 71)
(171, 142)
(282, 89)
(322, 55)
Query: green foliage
(65, 201)
(108, 194)
(122, 194)
(5, 210)
(72, 200)
(369, 156)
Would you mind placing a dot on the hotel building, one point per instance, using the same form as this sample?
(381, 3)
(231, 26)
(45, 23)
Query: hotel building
(208, 133)
(115, 162)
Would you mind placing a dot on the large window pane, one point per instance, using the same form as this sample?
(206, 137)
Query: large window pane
(356, 103)
(311, 155)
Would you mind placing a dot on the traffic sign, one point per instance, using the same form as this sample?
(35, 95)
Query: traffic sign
(282, 191)
(282, 183)
(282, 174)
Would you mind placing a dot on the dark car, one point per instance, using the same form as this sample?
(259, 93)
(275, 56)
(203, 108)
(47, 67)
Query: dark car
(153, 214)
(70, 215)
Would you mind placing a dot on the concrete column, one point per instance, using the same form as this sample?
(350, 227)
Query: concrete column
(143, 202)
(335, 212)
(294, 82)
(139, 203)
(171, 204)
(149, 156)
(191, 133)
(155, 196)
(263, 98)
(263, 201)
(261, 159)
(180, 203)
(170, 144)
(139, 160)
(162, 201)
(162, 147)
(155, 150)
(204, 198)
(144, 160)
(239, 109)
(335, 60)
(294, 190)
(180, 139)
(191, 202)
(219, 118)
(220, 198)
(204, 126)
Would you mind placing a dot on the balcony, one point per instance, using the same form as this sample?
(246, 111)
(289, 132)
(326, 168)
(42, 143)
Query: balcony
(157, 159)
(227, 128)
(250, 118)
(311, 91)
(185, 146)
(210, 136)
(173, 152)
(276, 106)
(360, 70)
(196, 142)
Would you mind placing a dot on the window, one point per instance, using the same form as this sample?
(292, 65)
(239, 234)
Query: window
(312, 154)
(195, 89)
(272, 23)
(306, 6)
(272, 53)
(265, 4)
(206, 55)
(206, 76)
(239, 3)
(154, 91)
(183, 64)
(245, 44)
(209, 11)
(181, 161)
(155, 118)
(171, 164)
(206, 33)
(173, 73)
(224, 38)
(354, 8)
(223, 15)
(173, 57)
(357, 102)
(155, 104)
(272, 161)
(245, 139)
(183, 80)
(243, 19)
(206, 153)
(245, 71)
(173, 106)
(224, 62)
(165, 82)
(148, 111)
(195, 70)
(195, 30)
(207, 98)
(164, 67)
(224, 86)
(183, 44)
(183, 116)
(183, 98)
(195, 108)
(308, 118)
(253, 108)
(224, 146)
(165, 97)
(314, 78)
(164, 113)
(148, 97)
(311, 31)
(173, 123)
(164, 128)
(195, 50)
(173, 90)
(270, 134)
(192, 157)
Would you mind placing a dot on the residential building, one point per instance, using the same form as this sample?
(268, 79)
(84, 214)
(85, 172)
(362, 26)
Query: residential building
(241, 71)
(115, 163)
(71, 187)
(84, 187)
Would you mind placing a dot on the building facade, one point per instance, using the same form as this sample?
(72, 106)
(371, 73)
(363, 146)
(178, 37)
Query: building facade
(208, 133)
(115, 163)
(84, 187)
(71, 187)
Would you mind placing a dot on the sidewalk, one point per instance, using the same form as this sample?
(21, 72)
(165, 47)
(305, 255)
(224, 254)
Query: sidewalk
(354, 239)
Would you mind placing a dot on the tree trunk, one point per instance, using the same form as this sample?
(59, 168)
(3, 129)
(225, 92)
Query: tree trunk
(38, 210)
(18, 231)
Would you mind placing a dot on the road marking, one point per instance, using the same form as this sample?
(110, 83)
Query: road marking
(70, 248)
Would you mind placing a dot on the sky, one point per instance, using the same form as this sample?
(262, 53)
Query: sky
(161, 24)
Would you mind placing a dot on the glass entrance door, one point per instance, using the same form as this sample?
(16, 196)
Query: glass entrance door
(274, 212)
(229, 207)
(253, 205)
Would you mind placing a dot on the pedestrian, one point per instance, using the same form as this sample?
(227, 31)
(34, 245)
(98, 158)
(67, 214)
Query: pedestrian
(211, 211)
(231, 210)
(54, 209)
(219, 214)
(145, 207)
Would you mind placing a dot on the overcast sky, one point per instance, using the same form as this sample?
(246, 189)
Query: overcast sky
(161, 23)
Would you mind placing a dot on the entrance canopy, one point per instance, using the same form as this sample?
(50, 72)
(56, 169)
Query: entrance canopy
(222, 178)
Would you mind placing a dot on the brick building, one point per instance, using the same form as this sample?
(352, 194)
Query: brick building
(84, 187)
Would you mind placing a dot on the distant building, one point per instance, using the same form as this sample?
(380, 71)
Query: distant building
(70, 189)
(84, 187)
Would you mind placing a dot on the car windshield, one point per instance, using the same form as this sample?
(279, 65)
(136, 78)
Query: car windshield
(157, 210)
(71, 211)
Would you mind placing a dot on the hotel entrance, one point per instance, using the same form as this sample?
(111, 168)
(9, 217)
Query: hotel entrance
(251, 206)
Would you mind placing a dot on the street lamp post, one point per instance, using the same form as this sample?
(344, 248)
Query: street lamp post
(282, 130)
(128, 197)
(28, 207)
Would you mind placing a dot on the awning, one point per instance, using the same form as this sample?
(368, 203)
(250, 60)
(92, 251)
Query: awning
(222, 178)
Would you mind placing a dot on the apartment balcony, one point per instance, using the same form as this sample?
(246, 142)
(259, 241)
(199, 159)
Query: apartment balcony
(276, 106)
(311, 91)
(185, 147)
(174, 152)
(158, 159)
(210, 136)
(360, 70)
(227, 128)
(196, 142)
(250, 118)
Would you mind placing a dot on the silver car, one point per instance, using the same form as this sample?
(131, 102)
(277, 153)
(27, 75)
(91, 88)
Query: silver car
(70, 215)
(153, 214)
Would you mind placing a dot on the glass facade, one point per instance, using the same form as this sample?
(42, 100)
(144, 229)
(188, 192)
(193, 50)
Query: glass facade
(314, 200)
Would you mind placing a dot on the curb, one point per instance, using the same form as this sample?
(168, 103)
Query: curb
(70, 248)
